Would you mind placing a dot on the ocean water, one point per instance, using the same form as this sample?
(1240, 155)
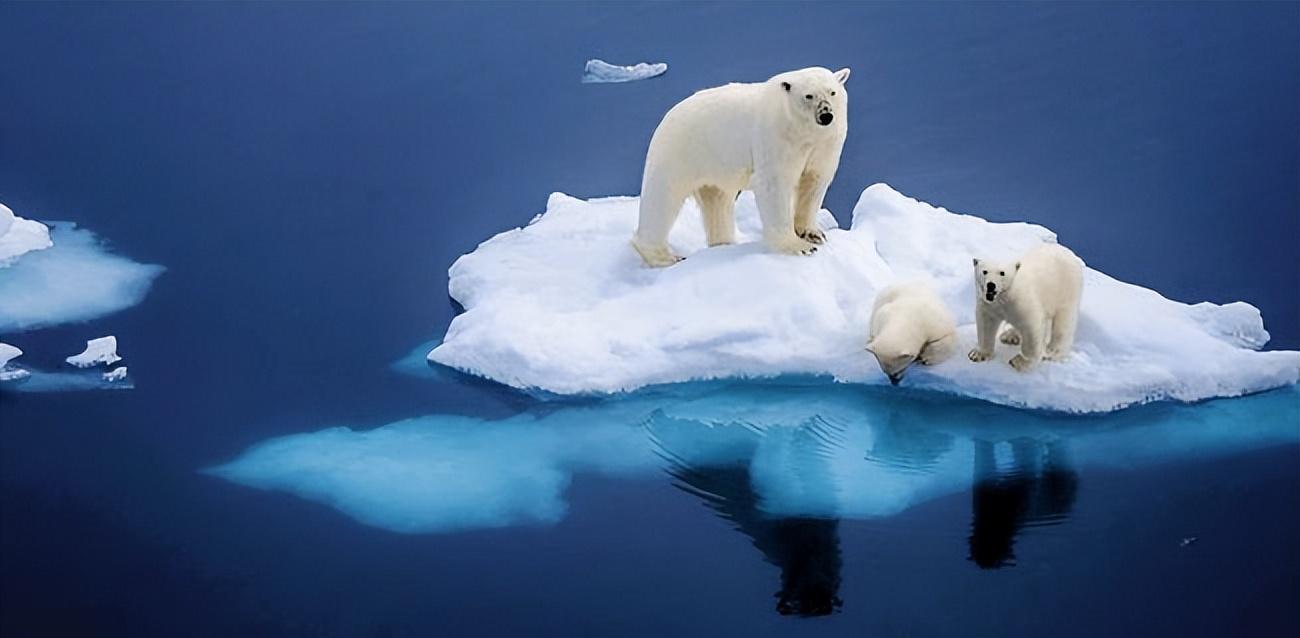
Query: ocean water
(306, 173)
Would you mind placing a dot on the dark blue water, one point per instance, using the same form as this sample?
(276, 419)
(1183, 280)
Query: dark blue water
(306, 173)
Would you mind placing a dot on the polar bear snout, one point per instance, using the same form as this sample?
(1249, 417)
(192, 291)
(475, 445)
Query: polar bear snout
(825, 118)
(990, 291)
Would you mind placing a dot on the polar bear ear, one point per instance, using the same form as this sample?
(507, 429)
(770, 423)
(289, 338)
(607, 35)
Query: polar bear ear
(786, 86)
(1017, 266)
(975, 261)
(842, 75)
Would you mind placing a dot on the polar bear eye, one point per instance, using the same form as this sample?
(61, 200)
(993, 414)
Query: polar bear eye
(832, 93)
(808, 97)
(1002, 274)
(986, 272)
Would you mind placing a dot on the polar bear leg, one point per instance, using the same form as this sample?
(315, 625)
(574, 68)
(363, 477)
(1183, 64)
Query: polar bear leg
(1062, 336)
(808, 201)
(938, 351)
(775, 199)
(659, 210)
(1010, 336)
(986, 330)
(1031, 347)
(718, 210)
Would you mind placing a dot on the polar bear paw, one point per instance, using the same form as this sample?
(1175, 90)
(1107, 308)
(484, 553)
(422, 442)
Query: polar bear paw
(811, 235)
(1056, 355)
(1010, 336)
(1021, 363)
(656, 256)
(978, 355)
(793, 246)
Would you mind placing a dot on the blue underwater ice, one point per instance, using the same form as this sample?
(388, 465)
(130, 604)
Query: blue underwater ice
(774, 451)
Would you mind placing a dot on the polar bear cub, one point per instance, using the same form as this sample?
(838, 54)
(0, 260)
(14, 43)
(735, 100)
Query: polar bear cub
(1038, 296)
(909, 323)
(782, 138)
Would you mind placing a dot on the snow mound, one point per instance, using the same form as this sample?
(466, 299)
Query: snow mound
(74, 280)
(602, 72)
(19, 236)
(98, 351)
(565, 306)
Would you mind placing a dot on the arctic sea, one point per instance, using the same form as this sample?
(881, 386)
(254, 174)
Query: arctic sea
(307, 172)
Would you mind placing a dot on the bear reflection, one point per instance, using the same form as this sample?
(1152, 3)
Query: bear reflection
(806, 549)
(1037, 489)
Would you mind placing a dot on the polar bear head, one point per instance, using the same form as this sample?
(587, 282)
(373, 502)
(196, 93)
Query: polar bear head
(814, 95)
(894, 353)
(994, 278)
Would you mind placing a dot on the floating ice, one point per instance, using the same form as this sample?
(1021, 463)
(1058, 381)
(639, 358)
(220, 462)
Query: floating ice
(600, 71)
(754, 452)
(75, 381)
(565, 306)
(19, 236)
(116, 374)
(9, 353)
(98, 351)
(75, 280)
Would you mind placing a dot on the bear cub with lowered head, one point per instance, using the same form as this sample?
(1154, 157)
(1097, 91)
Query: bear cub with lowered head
(1038, 296)
(910, 323)
(780, 138)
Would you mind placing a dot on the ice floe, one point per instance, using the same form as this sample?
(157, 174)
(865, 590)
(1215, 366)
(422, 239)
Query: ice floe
(116, 374)
(752, 452)
(565, 306)
(9, 353)
(101, 351)
(76, 279)
(601, 72)
(19, 236)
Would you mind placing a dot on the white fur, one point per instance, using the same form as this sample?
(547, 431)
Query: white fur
(909, 323)
(1038, 296)
(765, 136)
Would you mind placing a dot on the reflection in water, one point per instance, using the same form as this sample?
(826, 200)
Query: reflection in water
(782, 464)
(805, 548)
(1038, 489)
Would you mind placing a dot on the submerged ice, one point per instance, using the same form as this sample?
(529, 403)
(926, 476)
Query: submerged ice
(75, 279)
(600, 72)
(754, 453)
(564, 306)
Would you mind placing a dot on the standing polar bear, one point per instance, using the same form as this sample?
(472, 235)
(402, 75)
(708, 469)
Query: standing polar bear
(1038, 296)
(781, 138)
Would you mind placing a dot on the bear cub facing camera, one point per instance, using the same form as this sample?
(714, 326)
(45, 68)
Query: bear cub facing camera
(780, 138)
(1037, 296)
(910, 323)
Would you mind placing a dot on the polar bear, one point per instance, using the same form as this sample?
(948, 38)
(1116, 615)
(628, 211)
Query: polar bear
(1038, 296)
(909, 323)
(782, 138)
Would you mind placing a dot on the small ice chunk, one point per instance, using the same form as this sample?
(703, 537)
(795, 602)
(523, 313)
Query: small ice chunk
(8, 353)
(116, 374)
(13, 374)
(19, 236)
(98, 351)
(602, 72)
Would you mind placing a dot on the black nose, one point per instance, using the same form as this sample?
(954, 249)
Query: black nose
(825, 118)
(992, 287)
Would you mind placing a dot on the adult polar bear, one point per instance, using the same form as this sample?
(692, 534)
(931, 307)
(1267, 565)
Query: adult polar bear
(782, 138)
